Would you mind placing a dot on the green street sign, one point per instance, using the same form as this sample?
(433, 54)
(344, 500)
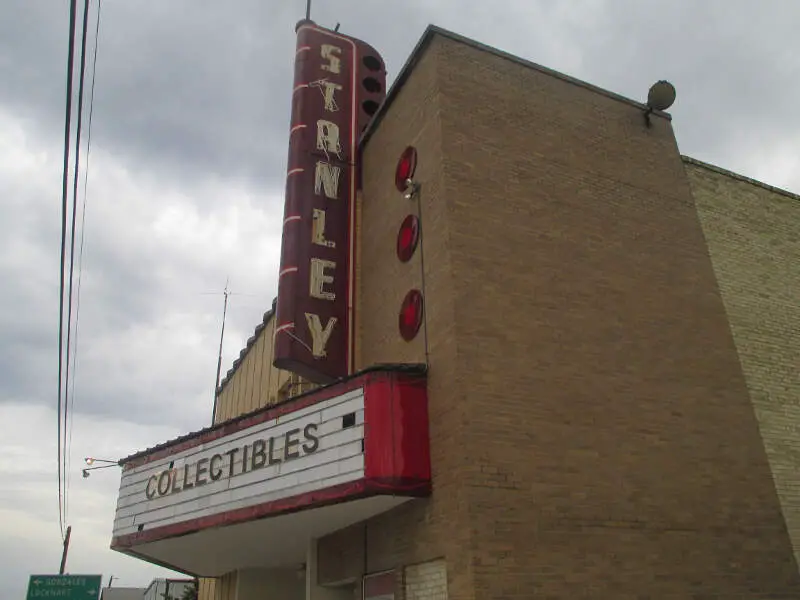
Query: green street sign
(64, 587)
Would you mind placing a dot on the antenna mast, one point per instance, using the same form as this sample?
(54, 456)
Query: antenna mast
(308, 10)
(219, 358)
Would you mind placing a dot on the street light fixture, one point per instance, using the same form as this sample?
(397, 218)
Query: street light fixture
(106, 464)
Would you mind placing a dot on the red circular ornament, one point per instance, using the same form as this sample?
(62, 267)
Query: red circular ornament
(406, 167)
(407, 238)
(410, 318)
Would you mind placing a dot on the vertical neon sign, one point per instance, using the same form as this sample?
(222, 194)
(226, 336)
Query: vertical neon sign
(339, 83)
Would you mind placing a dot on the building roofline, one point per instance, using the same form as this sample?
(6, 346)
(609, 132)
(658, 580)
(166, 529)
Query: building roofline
(432, 31)
(251, 341)
(739, 177)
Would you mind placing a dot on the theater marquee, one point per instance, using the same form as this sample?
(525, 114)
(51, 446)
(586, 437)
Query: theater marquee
(339, 84)
(300, 452)
(364, 439)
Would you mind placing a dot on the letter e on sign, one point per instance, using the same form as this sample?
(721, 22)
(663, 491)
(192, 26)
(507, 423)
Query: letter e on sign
(318, 279)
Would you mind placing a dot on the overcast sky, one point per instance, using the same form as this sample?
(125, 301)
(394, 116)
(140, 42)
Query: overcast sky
(185, 191)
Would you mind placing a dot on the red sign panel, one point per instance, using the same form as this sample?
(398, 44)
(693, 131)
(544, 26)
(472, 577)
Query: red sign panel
(339, 84)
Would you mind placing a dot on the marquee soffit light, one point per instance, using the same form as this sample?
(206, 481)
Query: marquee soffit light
(407, 238)
(406, 167)
(410, 318)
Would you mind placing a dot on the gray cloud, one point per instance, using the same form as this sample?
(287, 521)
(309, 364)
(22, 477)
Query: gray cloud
(148, 335)
(181, 86)
(186, 184)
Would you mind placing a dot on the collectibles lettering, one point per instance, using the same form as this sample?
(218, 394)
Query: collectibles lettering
(261, 453)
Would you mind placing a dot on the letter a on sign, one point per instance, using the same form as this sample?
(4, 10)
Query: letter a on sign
(328, 137)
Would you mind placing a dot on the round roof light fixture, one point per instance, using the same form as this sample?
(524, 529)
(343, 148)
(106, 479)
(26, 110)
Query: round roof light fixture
(410, 317)
(405, 169)
(661, 95)
(407, 238)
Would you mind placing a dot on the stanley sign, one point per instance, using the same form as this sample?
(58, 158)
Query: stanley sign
(339, 84)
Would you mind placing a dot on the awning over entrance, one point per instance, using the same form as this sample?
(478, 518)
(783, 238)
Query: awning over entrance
(253, 491)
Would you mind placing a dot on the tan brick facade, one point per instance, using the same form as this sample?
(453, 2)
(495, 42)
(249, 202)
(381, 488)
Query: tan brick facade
(753, 235)
(591, 428)
(426, 581)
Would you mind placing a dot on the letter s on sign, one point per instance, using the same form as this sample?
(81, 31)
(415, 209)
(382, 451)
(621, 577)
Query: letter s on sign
(148, 492)
(332, 55)
(312, 441)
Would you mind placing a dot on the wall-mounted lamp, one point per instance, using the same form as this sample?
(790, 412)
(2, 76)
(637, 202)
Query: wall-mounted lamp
(660, 97)
(90, 460)
(411, 188)
(404, 173)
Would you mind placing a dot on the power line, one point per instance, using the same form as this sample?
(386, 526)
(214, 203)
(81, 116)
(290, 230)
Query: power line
(81, 246)
(76, 177)
(64, 192)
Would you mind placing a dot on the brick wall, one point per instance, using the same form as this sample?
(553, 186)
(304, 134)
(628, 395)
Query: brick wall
(426, 581)
(612, 446)
(753, 234)
(421, 530)
(592, 432)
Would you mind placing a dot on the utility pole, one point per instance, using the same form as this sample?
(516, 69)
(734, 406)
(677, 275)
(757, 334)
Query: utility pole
(66, 549)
